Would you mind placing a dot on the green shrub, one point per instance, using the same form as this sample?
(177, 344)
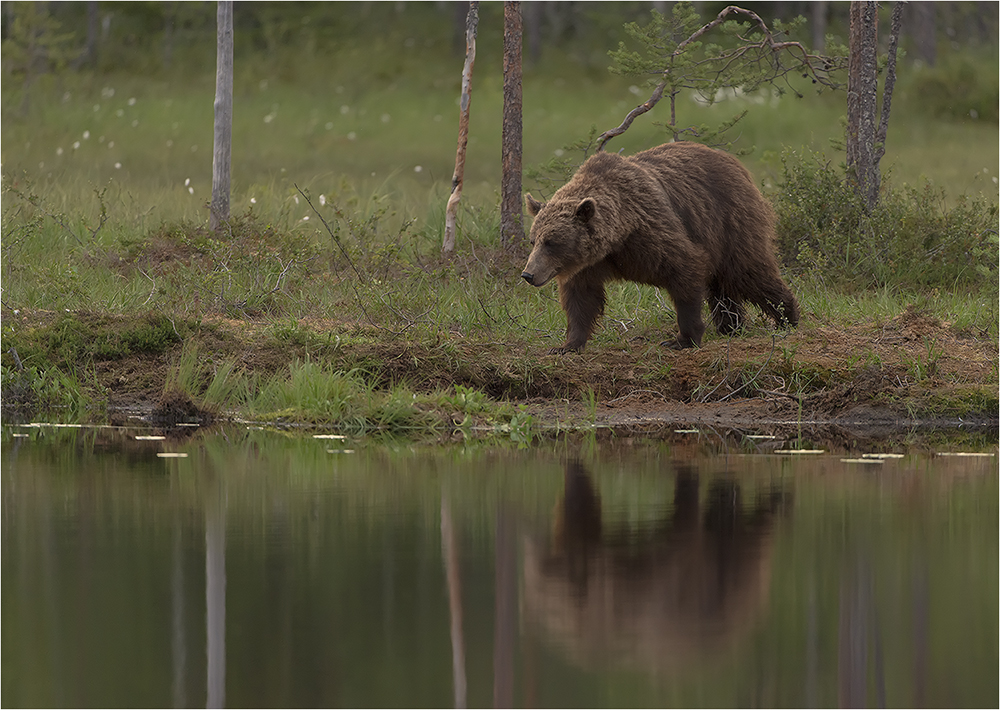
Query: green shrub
(911, 239)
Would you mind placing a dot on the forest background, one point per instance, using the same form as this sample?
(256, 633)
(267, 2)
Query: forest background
(345, 123)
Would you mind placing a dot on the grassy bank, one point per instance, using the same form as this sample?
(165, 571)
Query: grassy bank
(326, 300)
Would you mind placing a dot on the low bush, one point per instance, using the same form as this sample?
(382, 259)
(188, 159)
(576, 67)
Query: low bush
(911, 239)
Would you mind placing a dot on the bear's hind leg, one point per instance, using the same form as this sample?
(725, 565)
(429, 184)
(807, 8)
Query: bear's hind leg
(778, 302)
(689, 322)
(582, 299)
(727, 313)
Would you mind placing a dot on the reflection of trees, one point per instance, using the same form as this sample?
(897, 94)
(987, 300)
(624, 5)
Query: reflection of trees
(661, 599)
(215, 592)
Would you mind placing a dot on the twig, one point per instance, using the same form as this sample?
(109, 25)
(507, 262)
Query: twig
(756, 375)
(154, 285)
(332, 234)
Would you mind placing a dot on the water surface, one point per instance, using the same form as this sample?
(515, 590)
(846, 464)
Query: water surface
(265, 569)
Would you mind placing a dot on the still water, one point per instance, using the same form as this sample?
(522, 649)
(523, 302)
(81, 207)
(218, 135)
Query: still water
(263, 569)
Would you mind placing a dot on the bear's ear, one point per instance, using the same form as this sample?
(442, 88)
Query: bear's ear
(586, 209)
(533, 206)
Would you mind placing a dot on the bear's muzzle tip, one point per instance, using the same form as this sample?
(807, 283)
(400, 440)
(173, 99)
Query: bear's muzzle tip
(528, 277)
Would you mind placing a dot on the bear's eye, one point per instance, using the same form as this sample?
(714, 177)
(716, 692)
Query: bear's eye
(553, 248)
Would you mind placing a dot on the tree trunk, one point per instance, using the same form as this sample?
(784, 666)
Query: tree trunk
(88, 57)
(511, 216)
(865, 141)
(925, 31)
(533, 15)
(862, 94)
(819, 13)
(450, 215)
(222, 152)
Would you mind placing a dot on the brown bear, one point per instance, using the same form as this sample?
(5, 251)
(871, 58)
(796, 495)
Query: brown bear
(681, 216)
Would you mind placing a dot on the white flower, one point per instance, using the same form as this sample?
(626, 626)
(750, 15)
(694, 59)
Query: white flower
(111, 144)
(296, 198)
(329, 125)
(306, 218)
(418, 168)
(97, 107)
(344, 110)
(322, 200)
(351, 136)
(190, 190)
(131, 101)
(634, 89)
(118, 166)
(558, 152)
(119, 113)
(107, 92)
(59, 151)
(135, 123)
(187, 182)
(76, 145)
(386, 118)
(86, 135)
(253, 200)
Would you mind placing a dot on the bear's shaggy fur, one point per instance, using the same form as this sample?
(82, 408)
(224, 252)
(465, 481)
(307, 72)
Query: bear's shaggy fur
(681, 216)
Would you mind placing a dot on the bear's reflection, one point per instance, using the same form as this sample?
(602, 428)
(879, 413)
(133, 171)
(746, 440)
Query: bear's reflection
(683, 591)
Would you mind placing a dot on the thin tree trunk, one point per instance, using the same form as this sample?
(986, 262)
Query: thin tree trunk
(925, 31)
(451, 212)
(862, 95)
(819, 12)
(222, 153)
(533, 13)
(895, 28)
(511, 216)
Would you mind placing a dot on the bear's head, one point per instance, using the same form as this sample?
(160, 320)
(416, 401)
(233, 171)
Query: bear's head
(562, 237)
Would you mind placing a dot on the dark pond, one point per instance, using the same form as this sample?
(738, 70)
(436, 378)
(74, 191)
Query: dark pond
(265, 569)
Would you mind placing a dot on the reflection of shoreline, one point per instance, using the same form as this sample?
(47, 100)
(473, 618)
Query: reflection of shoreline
(691, 589)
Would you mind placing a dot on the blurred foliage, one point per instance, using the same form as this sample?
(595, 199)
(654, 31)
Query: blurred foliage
(960, 86)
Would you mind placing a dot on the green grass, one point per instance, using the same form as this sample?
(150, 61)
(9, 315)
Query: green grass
(108, 174)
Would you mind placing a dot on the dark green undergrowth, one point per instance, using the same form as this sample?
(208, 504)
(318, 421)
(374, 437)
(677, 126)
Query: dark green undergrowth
(912, 239)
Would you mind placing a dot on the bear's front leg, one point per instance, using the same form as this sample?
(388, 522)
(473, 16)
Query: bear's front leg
(582, 299)
(690, 324)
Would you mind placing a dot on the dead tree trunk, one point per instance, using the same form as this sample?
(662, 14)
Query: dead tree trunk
(222, 151)
(511, 216)
(451, 212)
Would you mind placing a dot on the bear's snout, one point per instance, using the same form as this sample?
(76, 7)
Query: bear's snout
(527, 277)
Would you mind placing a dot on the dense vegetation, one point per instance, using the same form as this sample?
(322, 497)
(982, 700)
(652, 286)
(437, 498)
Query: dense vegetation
(344, 138)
